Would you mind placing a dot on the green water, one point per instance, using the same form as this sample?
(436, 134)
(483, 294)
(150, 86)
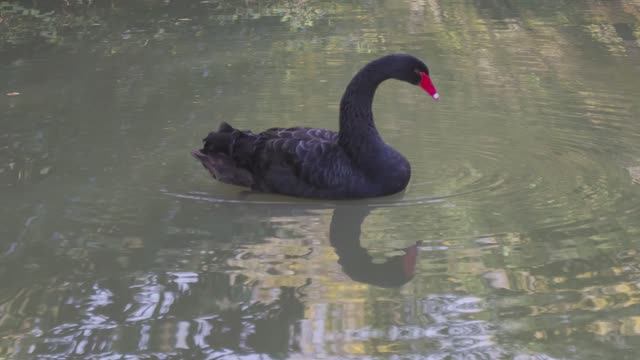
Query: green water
(523, 207)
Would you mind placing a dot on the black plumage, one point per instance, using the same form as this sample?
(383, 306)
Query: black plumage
(319, 163)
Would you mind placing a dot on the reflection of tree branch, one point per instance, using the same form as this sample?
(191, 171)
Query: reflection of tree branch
(355, 260)
(131, 23)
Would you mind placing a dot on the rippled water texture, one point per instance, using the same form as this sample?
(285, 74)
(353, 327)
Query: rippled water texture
(517, 238)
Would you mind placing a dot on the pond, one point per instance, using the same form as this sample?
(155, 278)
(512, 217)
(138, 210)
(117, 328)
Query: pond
(517, 237)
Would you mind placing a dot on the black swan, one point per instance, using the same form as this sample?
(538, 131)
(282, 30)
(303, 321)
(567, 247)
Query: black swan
(318, 163)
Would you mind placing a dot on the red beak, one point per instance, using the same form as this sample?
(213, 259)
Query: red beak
(409, 260)
(427, 85)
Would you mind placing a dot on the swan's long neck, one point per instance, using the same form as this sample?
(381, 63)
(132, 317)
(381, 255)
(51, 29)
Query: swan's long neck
(358, 134)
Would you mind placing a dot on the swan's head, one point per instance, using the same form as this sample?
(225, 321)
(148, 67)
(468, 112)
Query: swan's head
(412, 70)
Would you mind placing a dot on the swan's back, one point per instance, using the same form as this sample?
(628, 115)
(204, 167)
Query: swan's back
(298, 161)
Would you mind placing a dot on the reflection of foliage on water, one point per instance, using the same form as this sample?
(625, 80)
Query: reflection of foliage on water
(18, 23)
(196, 305)
(205, 315)
(300, 14)
(64, 22)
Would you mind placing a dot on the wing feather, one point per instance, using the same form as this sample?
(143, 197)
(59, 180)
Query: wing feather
(299, 158)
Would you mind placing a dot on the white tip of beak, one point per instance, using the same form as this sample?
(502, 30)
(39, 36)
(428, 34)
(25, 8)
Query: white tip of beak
(436, 96)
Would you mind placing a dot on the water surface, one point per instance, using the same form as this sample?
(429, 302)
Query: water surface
(517, 238)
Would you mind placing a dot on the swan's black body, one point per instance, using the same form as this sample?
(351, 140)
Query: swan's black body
(319, 163)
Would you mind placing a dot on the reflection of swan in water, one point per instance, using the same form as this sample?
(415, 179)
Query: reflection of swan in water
(344, 235)
(356, 262)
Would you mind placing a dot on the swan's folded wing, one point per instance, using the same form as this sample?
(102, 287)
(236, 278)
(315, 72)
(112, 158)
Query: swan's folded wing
(300, 133)
(300, 160)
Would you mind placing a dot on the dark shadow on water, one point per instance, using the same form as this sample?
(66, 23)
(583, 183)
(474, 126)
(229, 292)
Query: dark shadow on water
(345, 232)
(356, 262)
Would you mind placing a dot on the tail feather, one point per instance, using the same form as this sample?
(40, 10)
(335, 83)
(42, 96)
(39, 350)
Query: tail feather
(224, 169)
(220, 141)
(217, 142)
(225, 127)
(237, 144)
(218, 156)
